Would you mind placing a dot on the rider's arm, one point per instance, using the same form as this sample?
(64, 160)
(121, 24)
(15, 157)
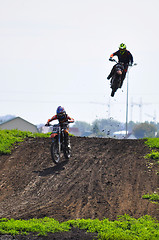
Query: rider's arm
(112, 55)
(130, 57)
(53, 118)
(70, 119)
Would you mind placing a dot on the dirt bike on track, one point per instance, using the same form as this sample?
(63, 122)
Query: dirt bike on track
(60, 142)
(116, 80)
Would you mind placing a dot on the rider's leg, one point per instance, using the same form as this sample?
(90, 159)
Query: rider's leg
(67, 139)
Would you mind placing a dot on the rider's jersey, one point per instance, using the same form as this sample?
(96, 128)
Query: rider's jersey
(63, 120)
(125, 58)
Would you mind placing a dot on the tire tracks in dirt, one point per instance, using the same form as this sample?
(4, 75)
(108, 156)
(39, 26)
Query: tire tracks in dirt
(103, 178)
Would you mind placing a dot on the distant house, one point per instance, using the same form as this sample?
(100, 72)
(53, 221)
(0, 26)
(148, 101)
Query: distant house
(122, 134)
(19, 124)
(131, 136)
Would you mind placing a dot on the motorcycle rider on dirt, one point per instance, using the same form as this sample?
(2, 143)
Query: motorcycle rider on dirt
(62, 117)
(125, 57)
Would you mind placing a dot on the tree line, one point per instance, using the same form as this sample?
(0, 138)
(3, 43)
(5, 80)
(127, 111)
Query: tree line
(108, 128)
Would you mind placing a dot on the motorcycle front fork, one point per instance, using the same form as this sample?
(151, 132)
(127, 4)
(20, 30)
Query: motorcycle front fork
(57, 140)
(62, 141)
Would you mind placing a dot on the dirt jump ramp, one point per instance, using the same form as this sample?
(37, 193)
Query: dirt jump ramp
(104, 178)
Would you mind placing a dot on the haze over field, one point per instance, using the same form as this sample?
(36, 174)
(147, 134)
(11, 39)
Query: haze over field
(56, 53)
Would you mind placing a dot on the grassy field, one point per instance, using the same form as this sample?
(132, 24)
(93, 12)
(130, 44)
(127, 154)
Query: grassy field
(125, 228)
(8, 138)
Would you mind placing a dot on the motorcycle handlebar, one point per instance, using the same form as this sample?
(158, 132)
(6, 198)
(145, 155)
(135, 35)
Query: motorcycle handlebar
(112, 60)
(65, 123)
(129, 65)
(47, 124)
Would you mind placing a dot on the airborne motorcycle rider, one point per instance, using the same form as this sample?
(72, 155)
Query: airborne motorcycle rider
(125, 57)
(62, 117)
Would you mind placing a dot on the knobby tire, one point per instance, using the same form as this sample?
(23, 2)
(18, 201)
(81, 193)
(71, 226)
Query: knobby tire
(55, 154)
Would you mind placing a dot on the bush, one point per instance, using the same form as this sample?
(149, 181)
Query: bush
(143, 130)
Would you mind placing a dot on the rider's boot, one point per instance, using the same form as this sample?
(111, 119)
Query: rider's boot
(67, 141)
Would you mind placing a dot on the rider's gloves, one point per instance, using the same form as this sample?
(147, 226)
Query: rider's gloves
(110, 59)
(47, 124)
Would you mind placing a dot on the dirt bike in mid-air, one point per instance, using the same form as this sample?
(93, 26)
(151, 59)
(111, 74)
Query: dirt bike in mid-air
(116, 79)
(60, 142)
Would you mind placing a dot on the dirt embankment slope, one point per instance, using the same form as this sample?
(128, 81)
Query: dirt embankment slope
(103, 178)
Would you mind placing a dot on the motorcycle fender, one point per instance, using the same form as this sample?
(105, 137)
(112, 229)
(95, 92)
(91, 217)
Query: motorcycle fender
(53, 135)
(119, 72)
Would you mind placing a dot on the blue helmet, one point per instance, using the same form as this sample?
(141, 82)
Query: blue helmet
(61, 113)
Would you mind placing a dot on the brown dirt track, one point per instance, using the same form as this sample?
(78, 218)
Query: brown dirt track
(103, 178)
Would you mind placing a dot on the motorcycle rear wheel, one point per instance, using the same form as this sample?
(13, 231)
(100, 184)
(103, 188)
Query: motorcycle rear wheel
(55, 154)
(112, 93)
(114, 85)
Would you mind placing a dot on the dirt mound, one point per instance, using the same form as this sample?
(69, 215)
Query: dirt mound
(104, 178)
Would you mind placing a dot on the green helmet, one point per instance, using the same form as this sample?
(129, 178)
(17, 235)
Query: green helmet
(122, 46)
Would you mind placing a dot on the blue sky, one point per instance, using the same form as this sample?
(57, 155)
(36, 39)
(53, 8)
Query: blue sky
(56, 53)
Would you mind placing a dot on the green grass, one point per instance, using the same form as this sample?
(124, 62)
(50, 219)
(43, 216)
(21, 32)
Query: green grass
(125, 228)
(153, 143)
(151, 197)
(154, 155)
(10, 137)
(41, 226)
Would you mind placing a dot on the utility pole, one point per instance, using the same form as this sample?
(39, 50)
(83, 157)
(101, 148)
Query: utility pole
(127, 98)
(127, 104)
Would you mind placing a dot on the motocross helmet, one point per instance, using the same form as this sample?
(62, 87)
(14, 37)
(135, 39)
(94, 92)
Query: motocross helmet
(122, 48)
(61, 113)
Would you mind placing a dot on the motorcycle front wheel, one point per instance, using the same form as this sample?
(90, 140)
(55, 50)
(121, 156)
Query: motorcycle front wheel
(55, 152)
